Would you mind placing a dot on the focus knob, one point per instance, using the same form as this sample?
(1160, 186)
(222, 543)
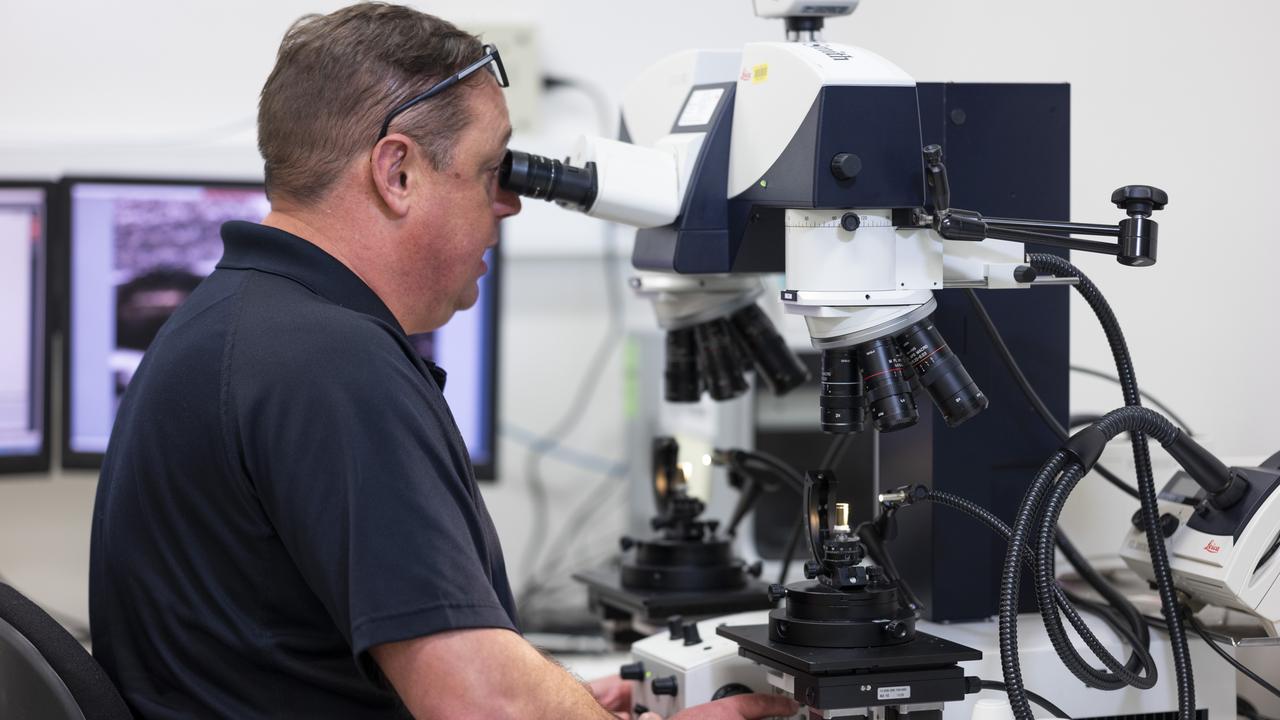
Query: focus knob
(632, 671)
(730, 690)
(665, 686)
(691, 636)
(777, 592)
(846, 166)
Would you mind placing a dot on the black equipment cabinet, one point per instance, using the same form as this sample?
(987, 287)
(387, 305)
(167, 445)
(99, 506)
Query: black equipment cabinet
(1007, 152)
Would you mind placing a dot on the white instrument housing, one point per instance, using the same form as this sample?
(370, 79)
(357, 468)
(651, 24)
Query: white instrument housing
(702, 669)
(1237, 572)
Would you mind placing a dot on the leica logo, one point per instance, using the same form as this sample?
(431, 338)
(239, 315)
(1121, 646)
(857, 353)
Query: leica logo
(1212, 547)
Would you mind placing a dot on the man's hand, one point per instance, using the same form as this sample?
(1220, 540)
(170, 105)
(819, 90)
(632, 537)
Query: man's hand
(756, 706)
(612, 692)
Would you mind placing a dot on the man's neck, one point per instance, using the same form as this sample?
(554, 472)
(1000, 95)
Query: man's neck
(326, 235)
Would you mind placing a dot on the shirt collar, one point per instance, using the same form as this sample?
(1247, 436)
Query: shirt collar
(250, 246)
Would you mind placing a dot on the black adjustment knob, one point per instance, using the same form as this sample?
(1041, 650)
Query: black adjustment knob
(932, 154)
(1140, 199)
(777, 592)
(1136, 520)
(665, 686)
(896, 629)
(626, 543)
(1168, 524)
(1025, 274)
(755, 568)
(691, 636)
(811, 569)
(675, 624)
(850, 221)
(632, 671)
(730, 690)
(846, 166)
(639, 710)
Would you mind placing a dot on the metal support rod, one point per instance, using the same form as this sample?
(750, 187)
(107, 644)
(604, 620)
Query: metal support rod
(1026, 236)
(1053, 226)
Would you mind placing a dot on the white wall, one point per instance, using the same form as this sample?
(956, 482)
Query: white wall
(1174, 93)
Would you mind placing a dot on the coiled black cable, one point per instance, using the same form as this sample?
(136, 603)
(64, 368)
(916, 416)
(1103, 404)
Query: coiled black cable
(1146, 483)
(1139, 658)
(1046, 581)
(1036, 511)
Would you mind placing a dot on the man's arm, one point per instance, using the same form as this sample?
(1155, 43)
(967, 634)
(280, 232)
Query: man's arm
(486, 673)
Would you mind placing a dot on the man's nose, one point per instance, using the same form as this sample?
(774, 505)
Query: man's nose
(506, 204)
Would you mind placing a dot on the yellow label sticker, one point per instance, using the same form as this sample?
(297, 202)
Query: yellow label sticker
(759, 73)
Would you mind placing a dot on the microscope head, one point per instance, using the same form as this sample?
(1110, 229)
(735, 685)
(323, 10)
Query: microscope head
(804, 19)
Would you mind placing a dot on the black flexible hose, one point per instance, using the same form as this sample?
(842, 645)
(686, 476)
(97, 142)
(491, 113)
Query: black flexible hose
(1046, 583)
(1057, 266)
(1136, 636)
(1035, 512)
(769, 463)
(1113, 598)
(1011, 576)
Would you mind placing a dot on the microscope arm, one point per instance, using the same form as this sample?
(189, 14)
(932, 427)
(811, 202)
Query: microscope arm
(1135, 235)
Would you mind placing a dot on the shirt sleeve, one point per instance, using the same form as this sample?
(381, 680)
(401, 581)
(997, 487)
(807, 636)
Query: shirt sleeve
(357, 462)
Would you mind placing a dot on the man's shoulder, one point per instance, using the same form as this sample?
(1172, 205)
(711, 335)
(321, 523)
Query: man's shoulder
(285, 327)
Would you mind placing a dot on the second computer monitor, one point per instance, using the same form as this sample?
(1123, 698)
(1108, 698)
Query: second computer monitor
(136, 249)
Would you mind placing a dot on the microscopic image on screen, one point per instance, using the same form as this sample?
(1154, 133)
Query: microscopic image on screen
(164, 245)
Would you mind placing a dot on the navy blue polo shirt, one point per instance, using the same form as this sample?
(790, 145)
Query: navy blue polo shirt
(284, 489)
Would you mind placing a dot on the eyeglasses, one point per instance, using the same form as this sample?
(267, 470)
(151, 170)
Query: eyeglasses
(491, 60)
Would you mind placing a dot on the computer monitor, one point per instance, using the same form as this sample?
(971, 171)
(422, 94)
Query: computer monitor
(24, 387)
(135, 249)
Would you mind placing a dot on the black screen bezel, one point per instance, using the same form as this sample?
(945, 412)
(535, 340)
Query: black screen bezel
(40, 461)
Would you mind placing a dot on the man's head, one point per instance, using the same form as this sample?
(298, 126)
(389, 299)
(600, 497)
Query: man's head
(412, 212)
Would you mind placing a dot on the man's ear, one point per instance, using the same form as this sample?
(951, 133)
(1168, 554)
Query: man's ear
(390, 165)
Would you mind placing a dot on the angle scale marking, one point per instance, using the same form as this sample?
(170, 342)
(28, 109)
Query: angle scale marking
(833, 221)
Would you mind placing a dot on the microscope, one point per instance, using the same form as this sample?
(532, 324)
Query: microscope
(809, 158)
(686, 571)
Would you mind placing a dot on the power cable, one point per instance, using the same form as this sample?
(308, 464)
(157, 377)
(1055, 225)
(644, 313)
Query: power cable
(590, 383)
(1042, 410)
(1037, 699)
(1240, 667)
(1154, 401)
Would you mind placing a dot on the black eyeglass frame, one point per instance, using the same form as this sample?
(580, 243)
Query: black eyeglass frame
(490, 56)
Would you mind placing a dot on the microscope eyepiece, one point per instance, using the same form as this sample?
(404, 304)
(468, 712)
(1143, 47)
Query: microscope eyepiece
(537, 177)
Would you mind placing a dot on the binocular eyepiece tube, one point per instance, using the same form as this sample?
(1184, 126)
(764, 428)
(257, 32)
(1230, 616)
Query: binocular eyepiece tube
(540, 178)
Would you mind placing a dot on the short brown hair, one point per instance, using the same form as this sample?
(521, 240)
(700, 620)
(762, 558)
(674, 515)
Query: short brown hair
(335, 79)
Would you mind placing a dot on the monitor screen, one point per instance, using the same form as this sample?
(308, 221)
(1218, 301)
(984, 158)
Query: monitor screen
(136, 249)
(23, 370)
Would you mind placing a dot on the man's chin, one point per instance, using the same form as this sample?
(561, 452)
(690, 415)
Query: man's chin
(468, 298)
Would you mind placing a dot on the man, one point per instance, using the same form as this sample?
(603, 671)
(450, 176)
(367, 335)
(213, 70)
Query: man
(287, 523)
